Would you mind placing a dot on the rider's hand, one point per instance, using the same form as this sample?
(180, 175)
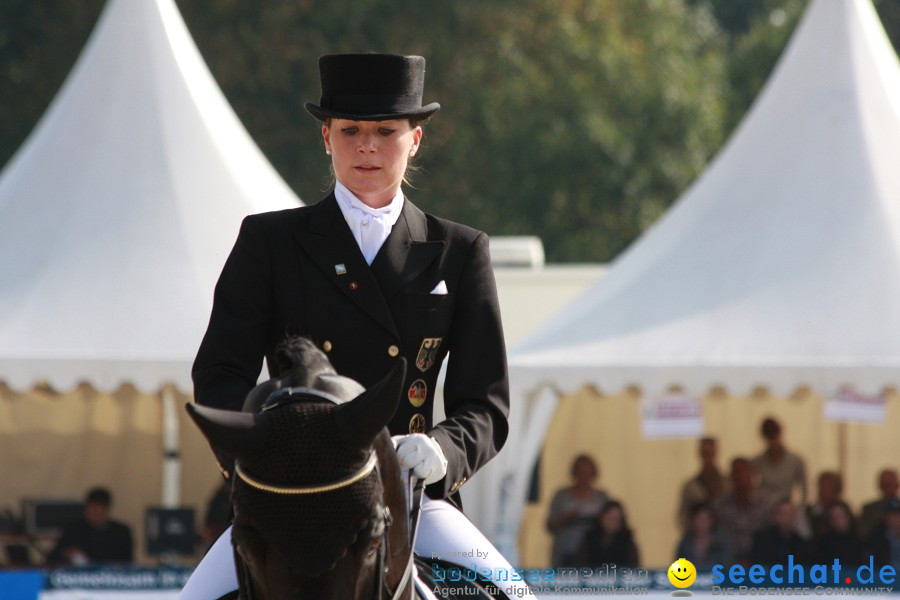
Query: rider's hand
(422, 455)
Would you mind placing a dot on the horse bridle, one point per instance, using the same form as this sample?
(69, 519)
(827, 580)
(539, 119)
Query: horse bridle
(365, 471)
(295, 394)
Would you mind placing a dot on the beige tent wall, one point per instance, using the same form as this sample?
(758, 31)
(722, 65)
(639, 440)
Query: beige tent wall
(57, 445)
(647, 475)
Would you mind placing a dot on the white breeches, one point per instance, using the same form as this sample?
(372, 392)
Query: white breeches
(444, 533)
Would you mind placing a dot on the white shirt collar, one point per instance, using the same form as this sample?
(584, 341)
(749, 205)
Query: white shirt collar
(370, 226)
(347, 200)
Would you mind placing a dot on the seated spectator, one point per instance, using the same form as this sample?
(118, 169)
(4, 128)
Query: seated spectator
(884, 542)
(741, 510)
(780, 471)
(841, 538)
(704, 544)
(774, 543)
(829, 487)
(872, 515)
(574, 510)
(704, 487)
(95, 539)
(610, 541)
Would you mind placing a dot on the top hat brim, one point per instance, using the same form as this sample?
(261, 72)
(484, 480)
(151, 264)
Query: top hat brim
(323, 114)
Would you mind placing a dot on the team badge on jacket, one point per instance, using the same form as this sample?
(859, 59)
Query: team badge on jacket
(418, 392)
(428, 353)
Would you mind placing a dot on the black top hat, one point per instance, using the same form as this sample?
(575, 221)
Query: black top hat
(371, 87)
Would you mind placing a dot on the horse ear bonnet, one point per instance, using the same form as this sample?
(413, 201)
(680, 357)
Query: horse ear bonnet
(305, 448)
(227, 430)
(364, 418)
(305, 442)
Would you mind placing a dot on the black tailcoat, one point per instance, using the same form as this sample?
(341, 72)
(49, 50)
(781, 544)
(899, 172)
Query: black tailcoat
(301, 272)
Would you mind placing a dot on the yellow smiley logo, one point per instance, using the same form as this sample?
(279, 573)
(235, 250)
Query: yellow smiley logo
(682, 573)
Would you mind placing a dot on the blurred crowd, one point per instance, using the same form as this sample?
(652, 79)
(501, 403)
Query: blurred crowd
(756, 513)
(94, 538)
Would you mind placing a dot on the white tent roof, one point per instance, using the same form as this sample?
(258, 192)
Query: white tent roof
(117, 213)
(780, 266)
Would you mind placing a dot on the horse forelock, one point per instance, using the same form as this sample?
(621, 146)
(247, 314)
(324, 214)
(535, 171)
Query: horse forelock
(298, 363)
(301, 359)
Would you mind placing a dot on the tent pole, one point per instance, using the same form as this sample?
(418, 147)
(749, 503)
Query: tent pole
(842, 449)
(171, 475)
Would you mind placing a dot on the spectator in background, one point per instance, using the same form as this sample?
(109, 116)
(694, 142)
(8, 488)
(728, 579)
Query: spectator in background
(872, 516)
(610, 540)
(779, 470)
(741, 510)
(840, 539)
(95, 539)
(829, 487)
(774, 543)
(706, 486)
(704, 544)
(884, 542)
(574, 510)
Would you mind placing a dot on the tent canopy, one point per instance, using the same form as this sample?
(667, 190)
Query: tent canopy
(780, 266)
(118, 211)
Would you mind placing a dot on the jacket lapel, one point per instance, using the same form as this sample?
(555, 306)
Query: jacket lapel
(329, 244)
(405, 253)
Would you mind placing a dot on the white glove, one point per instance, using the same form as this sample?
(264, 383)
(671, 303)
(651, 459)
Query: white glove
(422, 455)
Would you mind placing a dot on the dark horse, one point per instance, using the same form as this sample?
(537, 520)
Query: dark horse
(319, 504)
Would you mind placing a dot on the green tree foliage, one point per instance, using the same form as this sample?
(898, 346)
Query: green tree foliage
(39, 41)
(576, 120)
(757, 31)
(889, 13)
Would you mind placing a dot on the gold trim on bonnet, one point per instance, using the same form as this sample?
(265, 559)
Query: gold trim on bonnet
(317, 489)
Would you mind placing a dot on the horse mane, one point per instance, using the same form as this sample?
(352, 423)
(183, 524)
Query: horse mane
(298, 362)
(295, 353)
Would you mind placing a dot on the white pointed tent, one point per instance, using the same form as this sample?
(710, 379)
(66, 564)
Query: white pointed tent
(778, 269)
(116, 216)
(781, 265)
